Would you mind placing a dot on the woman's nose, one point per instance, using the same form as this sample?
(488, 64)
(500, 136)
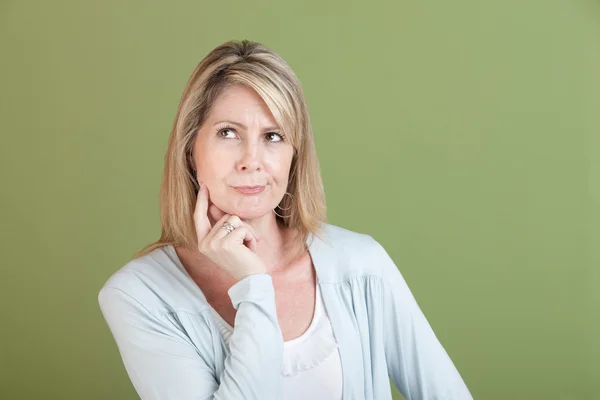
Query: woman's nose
(250, 158)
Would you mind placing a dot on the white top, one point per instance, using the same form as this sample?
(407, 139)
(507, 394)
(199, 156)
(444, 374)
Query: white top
(311, 365)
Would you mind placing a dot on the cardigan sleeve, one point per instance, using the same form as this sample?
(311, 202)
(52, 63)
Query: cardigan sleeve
(163, 364)
(419, 366)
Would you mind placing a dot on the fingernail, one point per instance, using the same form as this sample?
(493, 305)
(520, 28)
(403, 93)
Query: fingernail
(201, 185)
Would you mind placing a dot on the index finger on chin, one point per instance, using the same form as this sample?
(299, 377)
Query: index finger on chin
(200, 212)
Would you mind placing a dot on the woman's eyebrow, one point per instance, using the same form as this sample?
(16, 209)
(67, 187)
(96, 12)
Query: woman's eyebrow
(270, 128)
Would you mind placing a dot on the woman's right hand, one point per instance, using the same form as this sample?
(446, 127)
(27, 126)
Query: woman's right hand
(235, 252)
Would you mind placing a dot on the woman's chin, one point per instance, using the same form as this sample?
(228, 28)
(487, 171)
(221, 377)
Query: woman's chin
(247, 213)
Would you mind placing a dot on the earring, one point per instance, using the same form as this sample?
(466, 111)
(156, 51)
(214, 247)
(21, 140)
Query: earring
(283, 209)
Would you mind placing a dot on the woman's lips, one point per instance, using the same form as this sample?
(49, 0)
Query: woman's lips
(249, 189)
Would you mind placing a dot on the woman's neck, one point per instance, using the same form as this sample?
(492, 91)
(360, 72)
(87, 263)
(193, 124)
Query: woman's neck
(273, 235)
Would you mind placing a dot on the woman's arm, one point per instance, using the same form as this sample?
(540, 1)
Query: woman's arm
(417, 363)
(164, 365)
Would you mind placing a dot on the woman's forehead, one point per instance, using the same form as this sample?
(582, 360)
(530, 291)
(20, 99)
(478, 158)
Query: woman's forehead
(242, 106)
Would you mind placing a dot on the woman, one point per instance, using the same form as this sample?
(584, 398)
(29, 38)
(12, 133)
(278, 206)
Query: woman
(250, 293)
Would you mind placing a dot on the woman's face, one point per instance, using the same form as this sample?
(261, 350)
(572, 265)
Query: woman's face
(241, 145)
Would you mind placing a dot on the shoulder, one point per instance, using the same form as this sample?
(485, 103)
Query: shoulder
(344, 254)
(157, 282)
(346, 240)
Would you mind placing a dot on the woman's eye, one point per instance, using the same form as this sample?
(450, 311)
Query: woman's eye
(222, 133)
(228, 133)
(277, 137)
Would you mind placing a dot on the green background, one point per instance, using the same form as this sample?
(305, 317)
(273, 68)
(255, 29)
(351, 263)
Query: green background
(463, 135)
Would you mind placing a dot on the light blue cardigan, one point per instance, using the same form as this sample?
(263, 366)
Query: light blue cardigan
(172, 349)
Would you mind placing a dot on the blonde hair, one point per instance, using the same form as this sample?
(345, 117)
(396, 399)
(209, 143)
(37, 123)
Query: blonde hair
(261, 69)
